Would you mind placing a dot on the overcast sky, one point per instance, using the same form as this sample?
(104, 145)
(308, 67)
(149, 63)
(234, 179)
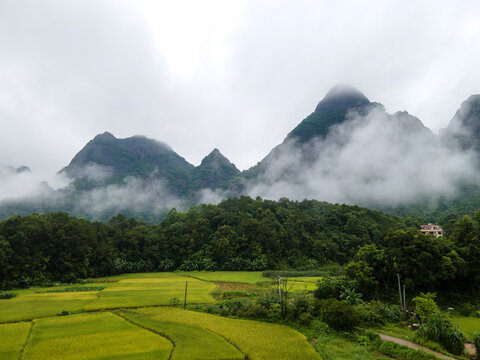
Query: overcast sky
(236, 75)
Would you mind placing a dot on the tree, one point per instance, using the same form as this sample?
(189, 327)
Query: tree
(425, 305)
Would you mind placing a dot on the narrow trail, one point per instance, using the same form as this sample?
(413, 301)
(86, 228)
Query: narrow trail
(413, 346)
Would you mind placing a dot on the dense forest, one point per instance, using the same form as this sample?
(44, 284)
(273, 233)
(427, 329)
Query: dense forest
(245, 234)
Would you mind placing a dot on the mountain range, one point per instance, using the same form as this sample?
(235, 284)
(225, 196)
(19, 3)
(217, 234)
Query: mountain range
(347, 146)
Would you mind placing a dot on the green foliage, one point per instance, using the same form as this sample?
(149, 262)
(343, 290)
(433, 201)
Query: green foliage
(7, 295)
(329, 288)
(438, 329)
(401, 352)
(425, 305)
(73, 289)
(476, 342)
(337, 314)
(293, 273)
(237, 234)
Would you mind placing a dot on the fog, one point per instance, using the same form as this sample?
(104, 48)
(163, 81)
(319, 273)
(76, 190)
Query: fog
(372, 160)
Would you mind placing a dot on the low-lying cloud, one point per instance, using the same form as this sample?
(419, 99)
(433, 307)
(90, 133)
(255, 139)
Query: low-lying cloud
(372, 160)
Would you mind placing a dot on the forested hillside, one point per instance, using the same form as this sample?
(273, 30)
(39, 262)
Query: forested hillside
(240, 234)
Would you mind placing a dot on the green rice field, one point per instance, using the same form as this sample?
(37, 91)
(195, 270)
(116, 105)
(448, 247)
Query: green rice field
(468, 325)
(93, 336)
(257, 340)
(113, 318)
(13, 338)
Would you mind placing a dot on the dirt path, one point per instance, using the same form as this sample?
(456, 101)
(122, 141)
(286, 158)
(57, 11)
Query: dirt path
(413, 346)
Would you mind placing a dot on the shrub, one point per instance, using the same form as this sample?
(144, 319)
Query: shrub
(252, 310)
(476, 343)
(292, 273)
(64, 313)
(6, 295)
(439, 329)
(337, 314)
(332, 288)
(301, 304)
(368, 339)
(268, 301)
(425, 305)
(369, 316)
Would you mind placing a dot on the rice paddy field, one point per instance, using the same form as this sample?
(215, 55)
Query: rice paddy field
(468, 325)
(257, 340)
(129, 317)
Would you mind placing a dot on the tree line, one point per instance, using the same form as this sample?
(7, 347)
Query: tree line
(240, 234)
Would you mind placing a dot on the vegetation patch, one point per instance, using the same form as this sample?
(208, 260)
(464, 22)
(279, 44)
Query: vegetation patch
(257, 340)
(6, 295)
(73, 289)
(234, 286)
(93, 336)
(401, 352)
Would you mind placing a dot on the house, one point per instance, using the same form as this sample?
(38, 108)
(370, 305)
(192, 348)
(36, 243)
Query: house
(431, 229)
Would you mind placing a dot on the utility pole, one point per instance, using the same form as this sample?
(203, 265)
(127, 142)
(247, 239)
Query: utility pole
(185, 300)
(404, 300)
(400, 291)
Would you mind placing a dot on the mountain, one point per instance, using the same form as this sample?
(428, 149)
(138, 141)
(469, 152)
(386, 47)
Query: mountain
(330, 111)
(111, 160)
(215, 171)
(376, 150)
(10, 170)
(464, 128)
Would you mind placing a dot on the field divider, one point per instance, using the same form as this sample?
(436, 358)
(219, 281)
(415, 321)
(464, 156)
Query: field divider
(156, 332)
(20, 356)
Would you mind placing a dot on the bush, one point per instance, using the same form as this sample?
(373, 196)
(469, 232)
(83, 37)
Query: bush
(439, 329)
(332, 288)
(301, 304)
(476, 343)
(337, 314)
(369, 316)
(368, 339)
(5, 295)
(252, 310)
(292, 273)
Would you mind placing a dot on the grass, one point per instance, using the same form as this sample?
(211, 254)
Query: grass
(13, 337)
(191, 342)
(468, 325)
(257, 340)
(399, 332)
(337, 348)
(248, 277)
(93, 336)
